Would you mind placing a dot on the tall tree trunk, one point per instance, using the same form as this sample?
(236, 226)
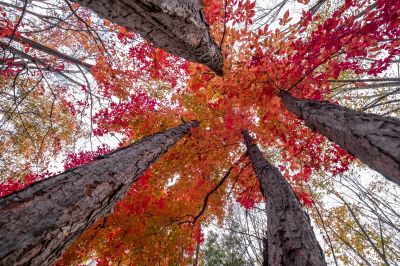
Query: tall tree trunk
(291, 239)
(196, 258)
(265, 250)
(38, 222)
(179, 27)
(373, 139)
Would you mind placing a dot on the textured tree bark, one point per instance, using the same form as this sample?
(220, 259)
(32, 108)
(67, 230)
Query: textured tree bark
(373, 139)
(291, 239)
(38, 222)
(178, 27)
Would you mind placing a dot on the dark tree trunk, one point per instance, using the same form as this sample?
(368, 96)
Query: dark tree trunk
(177, 26)
(373, 139)
(265, 250)
(196, 258)
(38, 222)
(291, 239)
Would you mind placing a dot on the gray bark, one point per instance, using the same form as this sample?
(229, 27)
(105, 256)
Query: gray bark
(291, 239)
(38, 222)
(178, 27)
(373, 139)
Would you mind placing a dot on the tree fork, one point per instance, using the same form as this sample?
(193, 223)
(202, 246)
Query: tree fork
(178, 27)
(373, 139)
(290, 237)
(38, 222)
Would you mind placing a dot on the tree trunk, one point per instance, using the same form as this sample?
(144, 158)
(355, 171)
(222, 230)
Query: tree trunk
(196, 258)
(265, 250)
(178, 27)
(38, 222)
(291, 240)
(373, 139)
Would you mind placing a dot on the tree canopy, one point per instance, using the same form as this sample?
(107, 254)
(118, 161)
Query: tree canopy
(75, 85)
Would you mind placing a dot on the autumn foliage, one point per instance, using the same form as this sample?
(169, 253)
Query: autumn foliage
(141, 90)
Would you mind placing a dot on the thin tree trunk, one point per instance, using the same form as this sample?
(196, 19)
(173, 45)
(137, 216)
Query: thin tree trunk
(373, 139)
(38, 222)
(291, 239)
(196, 258)
(177, 26)
(265, 250)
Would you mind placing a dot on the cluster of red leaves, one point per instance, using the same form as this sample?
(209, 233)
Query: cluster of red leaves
(198, 233)
(12, 185)
(157, 64)
(247, 190)
(310, 146)
(246, 200)
(139, 206)
(122, 34)
(304, 197)
(120, 115)
(235, 12)
(339, 43)
(7, 29)
(111, 80)
(76, 159)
